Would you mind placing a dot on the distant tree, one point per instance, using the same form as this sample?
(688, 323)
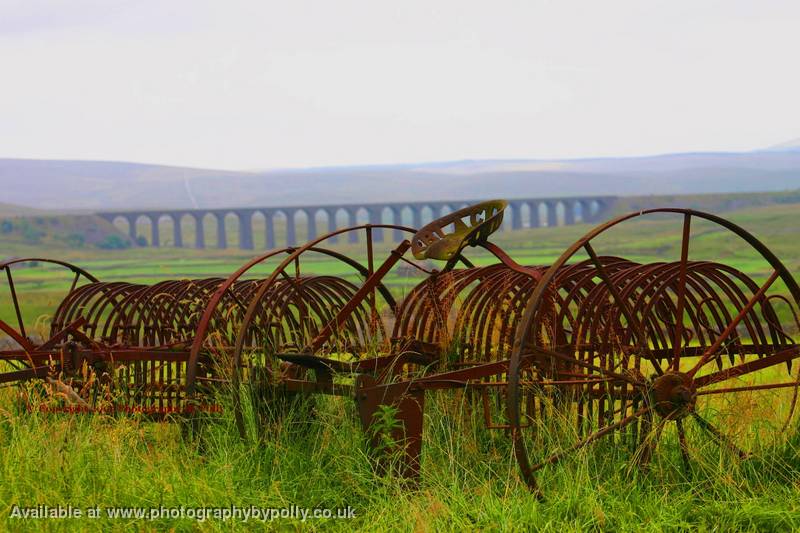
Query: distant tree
(75, 240)
(114, 242)
(30, 234)
(6, 227)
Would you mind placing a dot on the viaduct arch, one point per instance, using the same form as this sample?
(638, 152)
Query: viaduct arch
(284, 222)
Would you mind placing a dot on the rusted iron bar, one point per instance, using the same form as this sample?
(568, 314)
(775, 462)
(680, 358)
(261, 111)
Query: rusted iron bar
(367, 288)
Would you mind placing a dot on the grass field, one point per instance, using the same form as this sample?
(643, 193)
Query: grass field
(470, 479)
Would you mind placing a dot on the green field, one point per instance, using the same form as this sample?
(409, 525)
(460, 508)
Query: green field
(470, 479)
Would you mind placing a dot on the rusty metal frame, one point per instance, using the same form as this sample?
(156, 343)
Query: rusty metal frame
(574, 336)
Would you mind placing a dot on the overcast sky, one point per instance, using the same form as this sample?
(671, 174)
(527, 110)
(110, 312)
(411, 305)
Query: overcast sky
(264, 84)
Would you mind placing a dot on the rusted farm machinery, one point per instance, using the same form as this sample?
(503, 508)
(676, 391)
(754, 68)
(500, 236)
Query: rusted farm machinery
(560, 355)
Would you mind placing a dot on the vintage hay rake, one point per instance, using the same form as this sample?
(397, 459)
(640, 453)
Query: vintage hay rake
(559, 356)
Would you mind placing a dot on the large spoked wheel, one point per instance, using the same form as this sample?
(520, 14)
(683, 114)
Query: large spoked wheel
(48, 363)
(25, 354)
(689, 357)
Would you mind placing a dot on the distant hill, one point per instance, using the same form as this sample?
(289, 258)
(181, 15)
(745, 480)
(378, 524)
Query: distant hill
(11, 210)
(794, 144)
(92, 185)
(95, 185)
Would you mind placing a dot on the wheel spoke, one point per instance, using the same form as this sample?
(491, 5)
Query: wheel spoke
(677, 343)
(584, 364)
(719, 437)
(629, 316)
(684, 447)
(734, 323)
(746, 368)
(16, 302)
(650, 441)
(591, 438)
(750, 388)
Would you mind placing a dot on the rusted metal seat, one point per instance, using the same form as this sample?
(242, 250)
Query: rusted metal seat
(470, 226)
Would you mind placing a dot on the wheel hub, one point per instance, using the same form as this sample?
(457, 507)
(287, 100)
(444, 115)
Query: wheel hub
(674, 395)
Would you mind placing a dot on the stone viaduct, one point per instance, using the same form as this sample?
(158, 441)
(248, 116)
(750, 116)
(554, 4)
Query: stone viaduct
(521, 213)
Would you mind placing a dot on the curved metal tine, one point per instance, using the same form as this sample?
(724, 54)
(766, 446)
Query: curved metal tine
(554, 458)
(719, 437)
(677, 343)
(371, 270)
(629, 316)
(302, 305)
(759, 295)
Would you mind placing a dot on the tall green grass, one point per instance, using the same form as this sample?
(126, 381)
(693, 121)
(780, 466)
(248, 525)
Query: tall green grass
(469, 477)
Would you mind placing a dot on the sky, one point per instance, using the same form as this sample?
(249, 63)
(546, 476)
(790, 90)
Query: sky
(269, 84)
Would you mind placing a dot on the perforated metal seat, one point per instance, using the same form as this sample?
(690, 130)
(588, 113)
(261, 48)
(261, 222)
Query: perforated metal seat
(469, 226)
